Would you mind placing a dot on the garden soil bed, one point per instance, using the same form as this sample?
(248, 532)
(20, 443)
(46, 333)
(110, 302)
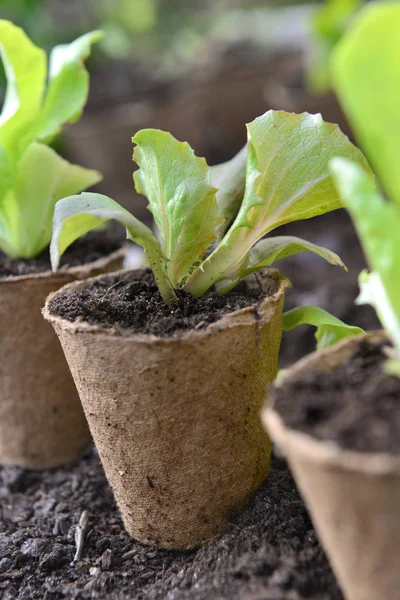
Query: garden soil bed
(356, 406)
(270, 553)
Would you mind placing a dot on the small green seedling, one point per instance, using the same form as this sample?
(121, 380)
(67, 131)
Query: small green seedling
(38, 101)
(209, 236)
(329, 329)
(210, 221)
(366, 72)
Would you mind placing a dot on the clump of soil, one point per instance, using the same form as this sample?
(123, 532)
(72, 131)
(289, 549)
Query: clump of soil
(133, 302)
(356, 406)
(94, 245)
(270, 553)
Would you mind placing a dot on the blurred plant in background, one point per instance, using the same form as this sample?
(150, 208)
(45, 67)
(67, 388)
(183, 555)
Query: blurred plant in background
(197, 68)
(328, 24)
(165, 35)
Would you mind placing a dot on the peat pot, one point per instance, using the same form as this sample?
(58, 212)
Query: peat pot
(176, 419)
(353, 496)
(42, 424)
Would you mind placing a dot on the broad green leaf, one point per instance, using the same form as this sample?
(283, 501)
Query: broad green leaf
(76, 215)
(287, 179)
(178, 187)
(378, 225)
(330, 330)
(33, 177)
(5, 176)
(229, 178)
(42, 179)
(25, 68)
(269, 250)
(366, 76)
(68, 85)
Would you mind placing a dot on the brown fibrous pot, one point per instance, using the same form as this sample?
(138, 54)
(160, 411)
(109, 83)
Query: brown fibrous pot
(353, 497)
(42, 424)
(176, 420)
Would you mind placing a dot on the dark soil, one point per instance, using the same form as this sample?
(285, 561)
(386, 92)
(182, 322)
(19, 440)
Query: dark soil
(356, 406)
(270, 553)
(91, 247)
(135, 303)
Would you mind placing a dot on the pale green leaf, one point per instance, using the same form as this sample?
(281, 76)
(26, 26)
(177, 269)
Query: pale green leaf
(178, 187)
(229, 178)
(330, 329)
(269, 250)
(68, 85)
(25, 68)
(392, 367)
(373, 292)
(76, 215)
(378, 225)
(366, 76)
(287, 179)
(5, 176)
(42, 179)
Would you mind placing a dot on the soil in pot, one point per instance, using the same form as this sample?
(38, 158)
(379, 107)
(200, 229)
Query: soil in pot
(336, 416)
(132, 302)
(356, 406)
(93, 246)
(271, 553)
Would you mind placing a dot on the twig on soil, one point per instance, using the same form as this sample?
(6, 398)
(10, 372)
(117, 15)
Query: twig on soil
(80, 535)
(111, 287)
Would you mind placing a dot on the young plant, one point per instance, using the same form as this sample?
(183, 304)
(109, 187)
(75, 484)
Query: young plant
(366, 73)
(213, 237)
(38, 101)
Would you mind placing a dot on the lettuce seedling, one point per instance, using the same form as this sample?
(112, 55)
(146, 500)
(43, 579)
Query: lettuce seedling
(329, 329)
(366, 73)
(209, 236)
(38, 101)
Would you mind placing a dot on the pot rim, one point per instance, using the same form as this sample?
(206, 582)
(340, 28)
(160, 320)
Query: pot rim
(239, 317)
(78, 272)
(322, 452)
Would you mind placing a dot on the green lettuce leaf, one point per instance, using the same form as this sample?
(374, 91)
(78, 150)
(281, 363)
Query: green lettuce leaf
(330, 330)
(32, 176)
(287, 179)
(230, 179)
(68, 85)
(43, 178)
(365, 71)
(378, 225)
(181, 197)
(76, 215)
(25, 68)
(269, 250)
(373, 292)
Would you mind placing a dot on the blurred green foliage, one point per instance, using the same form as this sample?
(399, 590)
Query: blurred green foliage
(157, 34)
(328, 24)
